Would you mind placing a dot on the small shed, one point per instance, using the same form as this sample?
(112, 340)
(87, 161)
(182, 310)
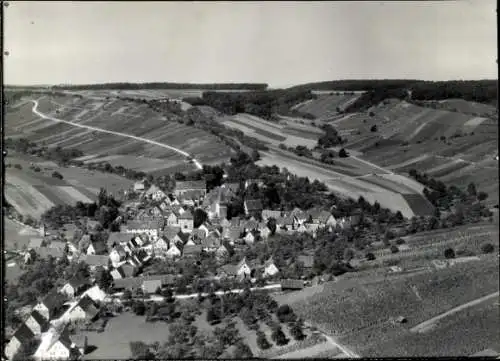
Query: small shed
(292, 284)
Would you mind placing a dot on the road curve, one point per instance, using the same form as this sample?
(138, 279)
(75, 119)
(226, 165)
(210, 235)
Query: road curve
(427, 323)
(44, 116)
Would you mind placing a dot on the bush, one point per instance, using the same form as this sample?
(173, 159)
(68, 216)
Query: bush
(394, 249)
(56, 174)
(373, 128)
(400, 241)
(285, 314)
(449, 253)
(343, 153)
(18, 166)
(296, 331)
(262, 341)
(370, 256)
(279, 337)
(487, 248)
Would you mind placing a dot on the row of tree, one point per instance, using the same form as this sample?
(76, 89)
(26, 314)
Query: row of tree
(165, 85)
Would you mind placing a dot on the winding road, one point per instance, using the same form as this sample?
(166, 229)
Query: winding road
(44, 116)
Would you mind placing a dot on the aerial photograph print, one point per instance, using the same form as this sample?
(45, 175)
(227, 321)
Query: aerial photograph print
(249, 180)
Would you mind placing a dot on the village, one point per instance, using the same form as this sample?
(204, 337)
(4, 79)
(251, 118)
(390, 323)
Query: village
(159, 229)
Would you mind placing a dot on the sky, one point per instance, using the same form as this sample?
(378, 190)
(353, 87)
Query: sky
(279, 43)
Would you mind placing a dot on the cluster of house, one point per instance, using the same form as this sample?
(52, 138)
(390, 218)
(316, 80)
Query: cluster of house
(47, 322)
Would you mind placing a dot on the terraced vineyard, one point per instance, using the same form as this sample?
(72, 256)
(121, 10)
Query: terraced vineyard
(351, 306)
(326, 106)
(121, 116)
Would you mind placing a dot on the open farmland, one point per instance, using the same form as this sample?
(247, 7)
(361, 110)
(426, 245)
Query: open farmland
(271, 133)
(337, 181)
(351, 306)
(116, 115)
(32, 193)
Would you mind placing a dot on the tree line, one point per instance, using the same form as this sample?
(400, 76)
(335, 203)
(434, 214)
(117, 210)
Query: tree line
(165, 85)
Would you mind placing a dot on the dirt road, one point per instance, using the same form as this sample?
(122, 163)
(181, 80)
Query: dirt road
(426, 324)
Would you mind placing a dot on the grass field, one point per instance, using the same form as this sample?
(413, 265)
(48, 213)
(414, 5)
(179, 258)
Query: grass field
(347, 306)
(113, 343)
(32, 193)
(326, 105)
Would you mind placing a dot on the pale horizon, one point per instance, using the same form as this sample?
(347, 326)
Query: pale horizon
(278, 43)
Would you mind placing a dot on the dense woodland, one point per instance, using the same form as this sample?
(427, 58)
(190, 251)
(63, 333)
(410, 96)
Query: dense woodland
(165, 85)
(264, 104)
(481, 91)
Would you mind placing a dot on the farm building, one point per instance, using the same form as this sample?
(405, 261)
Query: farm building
(188, 186)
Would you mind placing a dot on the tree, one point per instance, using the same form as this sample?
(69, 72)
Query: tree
(56, 174)
(199, 217)
(471, 189)
(242, 351)
(255, 155)
(370, 256)
(449, 253)
(400, 241)
(348, 254)
(394, 249)
(343, 153)
(279, 337)
(296, 331)
(373, 128)
(262, 341)
(271, 224)
(285, 314)
(139, 308)
(487, 248)
(227, 335)
(481, 196)
(103, 279)
(140, 350)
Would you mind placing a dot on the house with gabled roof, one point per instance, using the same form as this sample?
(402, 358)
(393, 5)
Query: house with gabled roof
(187, 186)
(232, 234)
(235, 222)
(85, 309)
(269, 268)
(172, 218)
(173, 252)
(97, 247)
(170, 232)
(306, 260)
(250, 237)
(258, 182)
(264, 230)
(95, 261)
(58, 244)
(22, 336)
(49, 305)
(198, 235)
(300, 216)
(211, 243)
(46, 253)
(186, 221)
(118, 254)
(253, 207)
(192, 250)
(117, 273)
(155, 193)
(224, 223)
(37, 323)
(139, 186)
(160, 247)
(75, 286)
(57, 347)
(150, 227)
(251, 225)
(221, 252)
(116, 238)
(286, 223)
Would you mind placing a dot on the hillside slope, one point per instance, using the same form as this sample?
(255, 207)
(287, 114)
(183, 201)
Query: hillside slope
(121, 116)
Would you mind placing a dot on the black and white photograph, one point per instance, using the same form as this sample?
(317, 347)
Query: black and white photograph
(249, 180)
